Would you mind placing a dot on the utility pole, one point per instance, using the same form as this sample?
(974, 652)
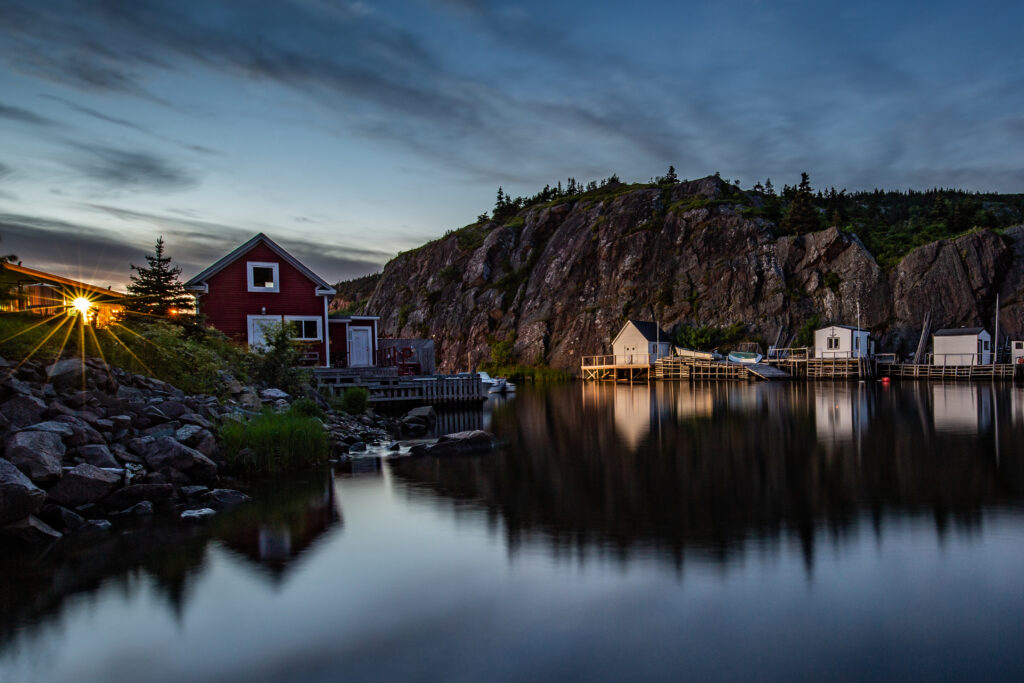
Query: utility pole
(995, 335)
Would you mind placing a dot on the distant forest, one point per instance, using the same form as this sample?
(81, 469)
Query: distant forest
(890, 223)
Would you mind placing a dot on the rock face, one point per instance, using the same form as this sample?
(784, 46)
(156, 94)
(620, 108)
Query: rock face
(559, 281)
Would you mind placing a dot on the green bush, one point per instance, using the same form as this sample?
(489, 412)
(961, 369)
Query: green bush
(306, 407)
(277, 365)
(354, 401)
(271, 443)
(805, 334)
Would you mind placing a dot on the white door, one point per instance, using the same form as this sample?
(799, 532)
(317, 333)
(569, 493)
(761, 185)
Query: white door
(359, 348)
(257, 328)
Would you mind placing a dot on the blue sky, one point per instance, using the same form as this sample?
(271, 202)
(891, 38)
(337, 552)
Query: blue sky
(349, 131)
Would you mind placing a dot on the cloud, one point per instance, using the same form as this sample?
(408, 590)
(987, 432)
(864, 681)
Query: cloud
(121, 169)
(23, 116)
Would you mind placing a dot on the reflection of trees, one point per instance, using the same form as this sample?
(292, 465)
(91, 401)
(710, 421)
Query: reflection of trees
(747, 464)
(33, 588)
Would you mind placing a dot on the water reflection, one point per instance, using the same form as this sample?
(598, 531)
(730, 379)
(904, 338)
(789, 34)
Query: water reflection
(705, 469)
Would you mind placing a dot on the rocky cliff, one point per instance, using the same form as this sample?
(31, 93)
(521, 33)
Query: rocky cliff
(558, 280)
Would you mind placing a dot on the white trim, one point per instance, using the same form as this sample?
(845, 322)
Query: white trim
(307, 318)
(327, 337)
(276, 267)
(250, 319)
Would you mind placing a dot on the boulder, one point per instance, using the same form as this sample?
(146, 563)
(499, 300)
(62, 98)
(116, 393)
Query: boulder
(426, 414)
(22, 411)
(60, 518)
(141, 509)
(37, 454)
(221, 499)
(98, 454)
(250, 401)
(61, 429)
(30, 530)
(19, 497)
(164, 451)
(191, 492)
(96, 526)
(173, 409)
(81, 432)
(198, 514)
(271, 395)
(66, 374)
(357, 447)
(84, 484)
(130, 495)
(459, 443)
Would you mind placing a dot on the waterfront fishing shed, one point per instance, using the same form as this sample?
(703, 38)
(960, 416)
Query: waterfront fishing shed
(962, 346)
(641, 341)
(843, 341)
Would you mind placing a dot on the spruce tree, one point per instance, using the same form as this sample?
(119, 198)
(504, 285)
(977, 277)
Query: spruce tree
(157, 290)
(803, 216)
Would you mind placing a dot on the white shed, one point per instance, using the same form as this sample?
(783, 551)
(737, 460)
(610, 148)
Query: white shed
(842, 341)
(962, 346)
(1017, 352)
(640, 342)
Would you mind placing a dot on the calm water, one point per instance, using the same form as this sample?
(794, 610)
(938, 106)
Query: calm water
(843, 531)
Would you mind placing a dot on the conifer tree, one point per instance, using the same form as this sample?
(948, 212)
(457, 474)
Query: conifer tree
(156, 289)
(803, 216)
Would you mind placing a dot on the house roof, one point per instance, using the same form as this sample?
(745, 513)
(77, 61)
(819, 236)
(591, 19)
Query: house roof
(845, 327)
(45, 277)
(960, 332)
(648, 329)
(201, 278)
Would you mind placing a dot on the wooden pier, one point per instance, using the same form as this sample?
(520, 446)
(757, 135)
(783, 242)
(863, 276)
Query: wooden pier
(1003, 371)
(387, 388)
(623, 368)
(607, 369)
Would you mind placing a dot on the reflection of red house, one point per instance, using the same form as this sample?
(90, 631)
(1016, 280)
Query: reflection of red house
(260, 283)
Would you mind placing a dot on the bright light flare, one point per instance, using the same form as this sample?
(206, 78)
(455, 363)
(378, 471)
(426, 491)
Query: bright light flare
(82, 305)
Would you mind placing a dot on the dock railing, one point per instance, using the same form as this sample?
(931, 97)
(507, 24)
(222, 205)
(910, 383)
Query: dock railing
(621, 360)
(788, 353)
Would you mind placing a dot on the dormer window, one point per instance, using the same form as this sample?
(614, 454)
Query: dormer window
(263, 277)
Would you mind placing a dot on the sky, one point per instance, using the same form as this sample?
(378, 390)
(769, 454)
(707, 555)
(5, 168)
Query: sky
(350, 131)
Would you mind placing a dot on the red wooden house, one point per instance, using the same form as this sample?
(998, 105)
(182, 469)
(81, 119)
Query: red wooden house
(260, 283)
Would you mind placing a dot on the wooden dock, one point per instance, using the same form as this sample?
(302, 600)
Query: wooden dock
(385, 388)
(1003, 371)
(609, 368)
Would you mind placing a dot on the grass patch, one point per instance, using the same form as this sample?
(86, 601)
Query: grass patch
(354, 401)
(272, 443)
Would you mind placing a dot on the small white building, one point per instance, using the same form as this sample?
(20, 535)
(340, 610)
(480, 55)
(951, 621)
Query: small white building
(1017, 352)
(962, 346)
(640, 342)
(842, 341)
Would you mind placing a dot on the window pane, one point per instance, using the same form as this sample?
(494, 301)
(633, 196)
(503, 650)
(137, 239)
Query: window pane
(262, 276)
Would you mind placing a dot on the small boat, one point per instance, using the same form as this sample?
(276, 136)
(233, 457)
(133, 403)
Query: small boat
(746, 357)
(496, 385)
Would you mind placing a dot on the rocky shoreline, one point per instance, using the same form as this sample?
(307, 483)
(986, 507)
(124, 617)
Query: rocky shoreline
(87, 448)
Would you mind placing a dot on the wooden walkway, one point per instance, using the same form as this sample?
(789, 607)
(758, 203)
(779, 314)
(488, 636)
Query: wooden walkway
(390, 389)
(676, 367)
(1003, 371)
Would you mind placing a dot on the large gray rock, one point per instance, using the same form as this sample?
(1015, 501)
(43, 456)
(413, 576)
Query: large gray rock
(141, 509)
(98, 454)
(30, 530)
(19, 497)
(22, 410)
(60, 518)
(131, 495)
(198, 514)
(82, 432)
(165, 451)
(459, 443)
(221, 499)
(271, 395)
(66, 374)
(84, 484)
(37, 454)
(250, 401)
(61, 429)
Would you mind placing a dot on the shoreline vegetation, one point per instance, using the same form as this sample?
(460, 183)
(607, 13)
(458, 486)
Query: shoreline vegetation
(90, 446)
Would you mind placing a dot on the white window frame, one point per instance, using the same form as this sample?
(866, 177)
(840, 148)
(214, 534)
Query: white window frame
(832, 343)
(307, 318)
(250, 265)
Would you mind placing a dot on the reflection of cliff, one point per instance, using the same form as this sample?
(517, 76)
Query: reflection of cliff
(758, 467)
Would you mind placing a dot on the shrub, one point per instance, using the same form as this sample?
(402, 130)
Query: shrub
(306, 407)
(354, 401)
(805, 334)
(277, 365)
(831, 280)
(271, 443)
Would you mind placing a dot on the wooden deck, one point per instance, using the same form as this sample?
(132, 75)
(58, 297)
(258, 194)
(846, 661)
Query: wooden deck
(1003, 371)
(385, 388)
(676, 368)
